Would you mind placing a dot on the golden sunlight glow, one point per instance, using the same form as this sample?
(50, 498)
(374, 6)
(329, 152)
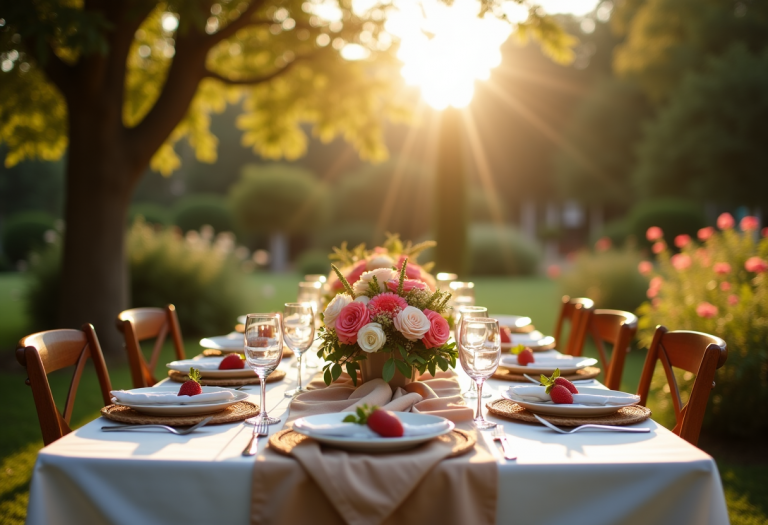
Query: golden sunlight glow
(445, 49)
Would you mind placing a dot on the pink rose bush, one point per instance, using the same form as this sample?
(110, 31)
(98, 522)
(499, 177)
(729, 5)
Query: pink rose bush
(386, 311)
(717, 284)
(654, 233)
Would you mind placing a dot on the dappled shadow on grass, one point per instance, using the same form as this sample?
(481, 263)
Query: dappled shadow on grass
(746, 490)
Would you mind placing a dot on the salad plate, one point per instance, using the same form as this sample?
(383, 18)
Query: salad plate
(575, 410)
(189, 408)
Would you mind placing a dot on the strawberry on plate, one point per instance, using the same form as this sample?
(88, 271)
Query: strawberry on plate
(506, 334)
(524, 355)
(191, 387)
(232, 362)
(383, 422)
(559, 389)
(561, 395)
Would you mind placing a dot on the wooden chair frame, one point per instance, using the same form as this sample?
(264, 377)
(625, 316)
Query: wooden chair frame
(46, 352)
(568, 311)
(614, 327)
(695, 352)
(140, 324)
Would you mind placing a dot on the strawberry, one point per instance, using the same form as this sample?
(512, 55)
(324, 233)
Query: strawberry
(505, 334)
(524, 355)
(567, 384)
(383, 422)
(561, 395)
(191, 387)
(232, 362)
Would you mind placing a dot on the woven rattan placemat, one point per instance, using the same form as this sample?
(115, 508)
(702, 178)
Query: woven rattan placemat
(231, 414)
(625, 416)
(585, 373)
(284, 441)
(180, 377)
(210, 352)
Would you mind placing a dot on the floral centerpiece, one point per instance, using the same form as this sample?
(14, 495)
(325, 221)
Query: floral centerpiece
(384, 313)
(718, 285)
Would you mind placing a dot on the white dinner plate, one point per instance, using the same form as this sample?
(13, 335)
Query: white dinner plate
(193, 409)
(566, 363)
(212, 373)
(512, 322)
(551, 409)
(233, 342)
(536, 341)
(379, 444)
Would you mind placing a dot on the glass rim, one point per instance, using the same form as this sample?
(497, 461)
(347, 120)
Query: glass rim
(271, 314)
(299, 303)
(311, 284)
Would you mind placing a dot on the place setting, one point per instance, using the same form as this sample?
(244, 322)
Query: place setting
(521, 360)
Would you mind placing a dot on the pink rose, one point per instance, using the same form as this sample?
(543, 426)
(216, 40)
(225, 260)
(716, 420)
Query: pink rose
(652, 292)
(756, 265)
(725, 286)
(438, 332)
(412, 271)
(725, 221)
(749, 223)
(706, 233)
(645, 267)
(722, 268)
(387, 303)
(681, 241)
(656, 282)
(412, 323)
(352, 277)
(733, 300)
(352, 318)
(706, 310)
(603, 244)
(681, 261)
(658, 247)
(408, 285)
(654, 233)
(553, 271)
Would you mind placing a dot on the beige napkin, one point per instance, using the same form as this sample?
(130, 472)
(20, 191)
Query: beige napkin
(414, 486)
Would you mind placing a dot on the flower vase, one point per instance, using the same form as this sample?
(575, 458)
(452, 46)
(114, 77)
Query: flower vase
(373, 367)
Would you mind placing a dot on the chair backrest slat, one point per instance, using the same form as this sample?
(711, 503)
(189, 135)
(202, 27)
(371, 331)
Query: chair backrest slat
(569, 311)
(140, 324)
(617, 328)
(46, 352)
(695, 352)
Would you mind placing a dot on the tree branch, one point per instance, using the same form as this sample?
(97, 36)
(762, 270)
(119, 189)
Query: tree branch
(253, 80)
(235, 25)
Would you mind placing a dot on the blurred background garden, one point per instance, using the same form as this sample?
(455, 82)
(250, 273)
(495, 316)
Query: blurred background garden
(598, 121)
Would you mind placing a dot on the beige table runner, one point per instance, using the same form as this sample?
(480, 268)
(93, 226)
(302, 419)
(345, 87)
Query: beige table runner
(415, 486)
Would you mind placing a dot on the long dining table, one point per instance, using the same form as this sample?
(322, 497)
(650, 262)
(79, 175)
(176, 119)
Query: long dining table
(90, 476)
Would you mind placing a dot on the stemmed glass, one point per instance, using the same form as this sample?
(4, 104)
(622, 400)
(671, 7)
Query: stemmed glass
(469, 311)
(311, 292)
(263, 351)
(480, 351)
(298, 332)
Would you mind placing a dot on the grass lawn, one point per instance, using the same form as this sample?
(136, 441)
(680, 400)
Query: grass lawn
(745, 483)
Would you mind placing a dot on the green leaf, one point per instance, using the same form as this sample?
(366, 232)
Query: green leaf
(402, 351)
(349, 419)
(335, 371)
(389, 370)
(441, 362)
(404, 368)
(431, 368)
(327, 377)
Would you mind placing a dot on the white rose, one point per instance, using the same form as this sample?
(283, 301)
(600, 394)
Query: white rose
(363, 299)
(412, 323)
(334, 308)
(382, 276)
(380, 261)
(371, 337)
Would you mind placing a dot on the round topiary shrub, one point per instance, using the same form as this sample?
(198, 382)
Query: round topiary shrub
(501, 250)
(25, 232)
(674, 216)
(195, 211)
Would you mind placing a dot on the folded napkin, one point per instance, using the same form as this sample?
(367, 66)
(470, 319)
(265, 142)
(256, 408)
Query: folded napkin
(364, 432)
(524, 339)
(209, 363)
(537, 394)
(546, 361)
(169, 398)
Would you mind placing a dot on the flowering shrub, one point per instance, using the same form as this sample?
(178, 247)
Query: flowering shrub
(718, 286)
(386, 311)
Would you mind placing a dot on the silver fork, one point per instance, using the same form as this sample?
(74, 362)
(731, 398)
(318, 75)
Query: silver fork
(260, 429)
(178, 432)
(501, 436)
(592, 427)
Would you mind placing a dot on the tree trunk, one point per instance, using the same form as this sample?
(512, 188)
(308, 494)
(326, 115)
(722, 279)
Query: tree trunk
(94, 278)
(451, 198)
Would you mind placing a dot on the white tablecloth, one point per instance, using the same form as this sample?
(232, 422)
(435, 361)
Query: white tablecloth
(157, 478)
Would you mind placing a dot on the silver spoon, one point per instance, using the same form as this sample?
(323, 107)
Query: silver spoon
(592, 427)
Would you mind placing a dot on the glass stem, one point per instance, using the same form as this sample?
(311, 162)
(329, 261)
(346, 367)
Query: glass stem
(263, 413)
(479, 401)
(298, 367)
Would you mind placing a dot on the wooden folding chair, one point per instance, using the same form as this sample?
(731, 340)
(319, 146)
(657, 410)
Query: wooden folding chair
(578, 324)
(46, 352)
(140, 324)
(616, 328)
(695, 352)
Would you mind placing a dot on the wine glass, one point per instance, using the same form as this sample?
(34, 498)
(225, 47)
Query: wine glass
(469, 311)
(480, 351)
(298, 333)
(311, 292)
(462, 294)
(263, 351)
(444, 281)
